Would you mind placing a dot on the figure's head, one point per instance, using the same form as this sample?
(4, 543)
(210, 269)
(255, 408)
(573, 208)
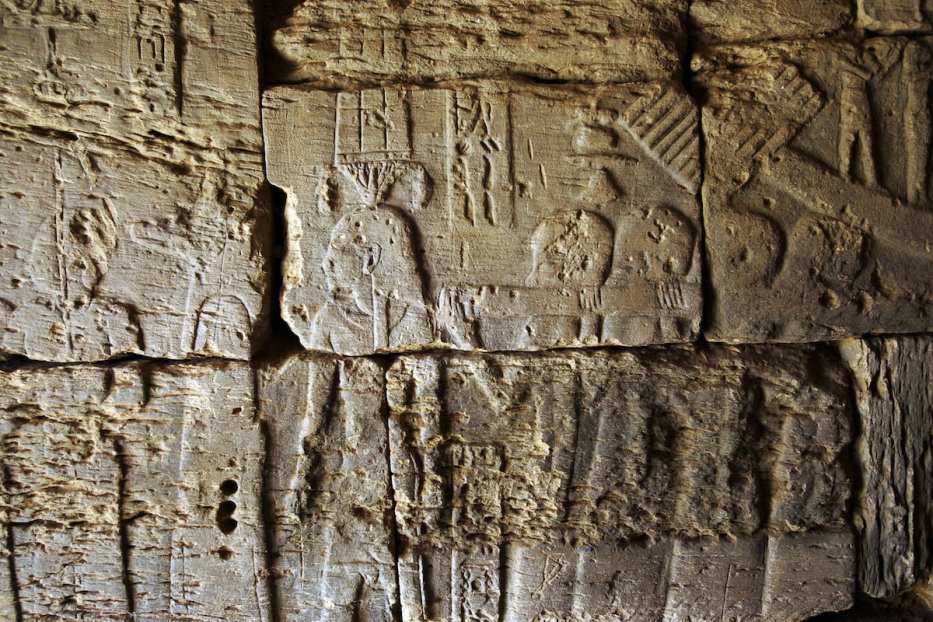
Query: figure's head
(370, 248)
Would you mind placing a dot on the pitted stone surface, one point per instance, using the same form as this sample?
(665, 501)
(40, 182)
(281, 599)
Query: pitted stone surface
(132, 492)
(487, 216)
(133, 218)
(817, 198)
(644, 485)
(333, 42)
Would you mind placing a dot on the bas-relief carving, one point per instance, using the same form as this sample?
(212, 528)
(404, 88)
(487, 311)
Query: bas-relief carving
(145, 224)
(520, 496)
(508, 487)
(819, 189)
(132, 491)
(482, 217)
(328, 490)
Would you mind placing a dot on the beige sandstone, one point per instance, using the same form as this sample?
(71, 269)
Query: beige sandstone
(817, 199)
(487, 215)
(475, 195)
(333, 41)
(134, 216)
(643, 485)
(132, 490)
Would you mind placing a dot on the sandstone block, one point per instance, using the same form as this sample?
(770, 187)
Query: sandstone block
(817, 198)
(331, 41)
(487, 215)
(559, 486)
(893, 380)
(893, 16)
(718, 21)
(132, 492)
(329, 491)
(132, 209)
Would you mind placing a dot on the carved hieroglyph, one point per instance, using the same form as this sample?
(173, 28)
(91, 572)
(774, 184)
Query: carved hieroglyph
(487, 216)
(332, 41)
(132, 215)
(641, 486)
(761, 20)
(893, 379)
(131, 492)
(818, 199)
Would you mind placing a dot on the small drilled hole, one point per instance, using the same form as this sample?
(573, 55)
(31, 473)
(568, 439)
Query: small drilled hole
(225, 553)
(227, 525)
(226, 508)
(229, 487)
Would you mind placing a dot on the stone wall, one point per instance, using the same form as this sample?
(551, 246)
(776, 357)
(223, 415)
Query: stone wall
(466, 310)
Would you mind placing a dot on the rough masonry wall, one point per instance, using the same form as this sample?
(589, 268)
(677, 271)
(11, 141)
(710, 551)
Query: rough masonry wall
(473, 310)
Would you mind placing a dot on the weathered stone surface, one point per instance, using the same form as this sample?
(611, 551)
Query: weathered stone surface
(333, 41)
(757, 20)
(891, 16)
(817, 198)
(556, 487)
(487, 216)
(329, 491)
(132, 211)
(894, 389)
(131, 492)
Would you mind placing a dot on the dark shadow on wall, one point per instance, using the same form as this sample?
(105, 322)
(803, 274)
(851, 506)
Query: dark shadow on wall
(910, 609)
(280, 341)
(272, 14)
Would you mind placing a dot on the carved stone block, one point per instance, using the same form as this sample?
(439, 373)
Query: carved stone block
(818, 203)
(757, 20)
(131, 492)
(556, 487)
(132, 212)
(329, 491)
(332, 41)
(892, 16)
(487, 216)
(894, 387)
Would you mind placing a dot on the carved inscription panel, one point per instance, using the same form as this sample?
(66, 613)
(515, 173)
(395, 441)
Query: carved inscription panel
(642, 486)
(132, 209)
(818, 202)
(131, 492)
(331, 41)
(487, 216)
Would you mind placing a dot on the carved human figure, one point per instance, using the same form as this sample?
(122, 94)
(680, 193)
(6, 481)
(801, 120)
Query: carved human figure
(855, 109)
(376, 299)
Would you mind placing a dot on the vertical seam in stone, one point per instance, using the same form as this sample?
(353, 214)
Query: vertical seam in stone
(123, 520)
(396, 538)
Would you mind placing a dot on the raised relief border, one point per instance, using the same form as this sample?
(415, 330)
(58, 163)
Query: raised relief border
(487, 216)
(818, 204)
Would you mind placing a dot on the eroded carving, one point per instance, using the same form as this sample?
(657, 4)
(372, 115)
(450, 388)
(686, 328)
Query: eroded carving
(484, 216)
(820, 203)
(111, 477)
(415, 41)
(119, 227)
